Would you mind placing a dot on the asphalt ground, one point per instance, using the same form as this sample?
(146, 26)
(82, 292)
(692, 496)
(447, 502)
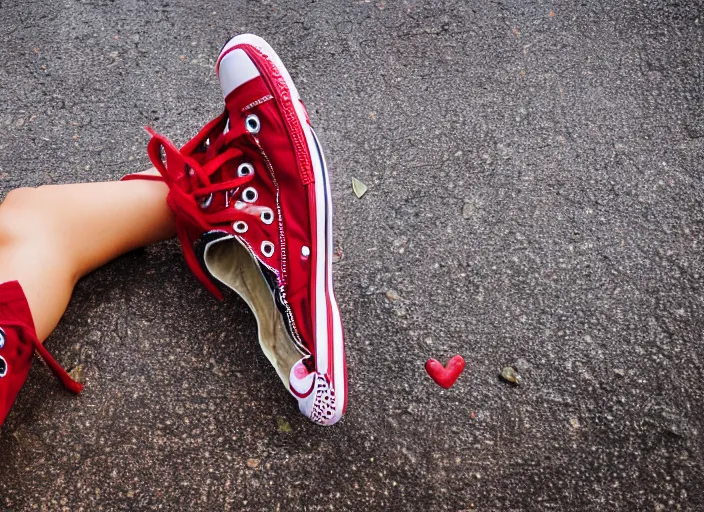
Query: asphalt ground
(535, 199)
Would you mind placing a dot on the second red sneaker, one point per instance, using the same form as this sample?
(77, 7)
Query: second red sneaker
(256, 177)
(18, 343)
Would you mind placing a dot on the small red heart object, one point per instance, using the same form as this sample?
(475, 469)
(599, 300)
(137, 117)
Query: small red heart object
(445, 376)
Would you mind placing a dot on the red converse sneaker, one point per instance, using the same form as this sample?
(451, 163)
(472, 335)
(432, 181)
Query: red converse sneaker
(18, 341)
(256, 177)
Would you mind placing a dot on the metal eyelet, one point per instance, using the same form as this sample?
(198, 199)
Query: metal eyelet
(250, 194)
(3, 367)
(305, 251)
(252, 124)
(267, 216)
(240, 226)
(245, 169)
(267, 248)
(2, 337)
(205, 203)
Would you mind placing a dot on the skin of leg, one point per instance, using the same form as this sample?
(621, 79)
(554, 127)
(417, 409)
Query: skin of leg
(53, 235)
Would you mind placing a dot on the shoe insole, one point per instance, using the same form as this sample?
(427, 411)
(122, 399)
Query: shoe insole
(230, 263)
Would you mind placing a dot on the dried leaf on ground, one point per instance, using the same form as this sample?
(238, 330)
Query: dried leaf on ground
(359, 188)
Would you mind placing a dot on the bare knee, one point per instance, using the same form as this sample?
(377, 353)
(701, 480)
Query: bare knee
(20, 214)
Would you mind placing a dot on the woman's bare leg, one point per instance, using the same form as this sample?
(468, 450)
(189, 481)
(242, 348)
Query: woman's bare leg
(53, 235)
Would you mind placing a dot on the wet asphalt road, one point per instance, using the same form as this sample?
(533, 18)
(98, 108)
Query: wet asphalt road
(536, 194)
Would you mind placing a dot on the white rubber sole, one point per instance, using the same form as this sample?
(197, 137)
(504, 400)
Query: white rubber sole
(333, 364)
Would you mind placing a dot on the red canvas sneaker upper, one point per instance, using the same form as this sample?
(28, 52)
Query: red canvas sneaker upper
(250, 174)
(18, 341)
(225, 183)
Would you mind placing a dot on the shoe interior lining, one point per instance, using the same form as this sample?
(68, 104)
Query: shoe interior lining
(230, 263)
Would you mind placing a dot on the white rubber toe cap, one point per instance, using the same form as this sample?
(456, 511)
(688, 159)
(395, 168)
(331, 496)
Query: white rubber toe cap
(235, 69)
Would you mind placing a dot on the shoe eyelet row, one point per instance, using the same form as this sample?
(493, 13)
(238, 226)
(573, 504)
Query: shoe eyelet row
(250, 194)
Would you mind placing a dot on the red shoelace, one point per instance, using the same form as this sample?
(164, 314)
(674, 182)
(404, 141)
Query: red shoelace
(190, 184)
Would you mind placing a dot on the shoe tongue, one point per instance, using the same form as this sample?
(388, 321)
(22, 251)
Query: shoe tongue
(235, 69)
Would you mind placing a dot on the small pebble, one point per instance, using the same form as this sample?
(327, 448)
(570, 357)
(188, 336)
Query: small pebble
(509, 374)
(392, 295)
(337, 254)
(619, 372)
(252, 463)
